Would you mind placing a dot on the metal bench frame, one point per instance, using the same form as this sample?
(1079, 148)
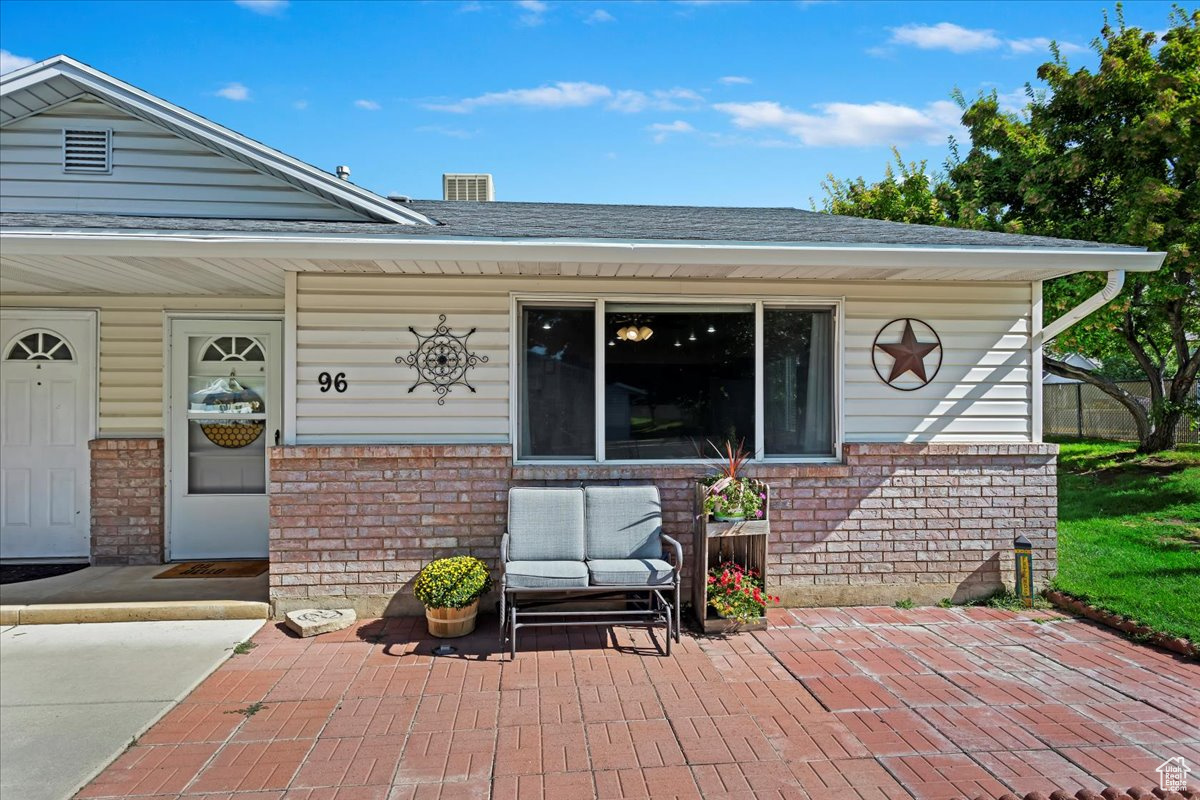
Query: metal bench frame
(518, 602)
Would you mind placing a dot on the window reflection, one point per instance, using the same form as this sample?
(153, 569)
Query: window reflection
(691, 382)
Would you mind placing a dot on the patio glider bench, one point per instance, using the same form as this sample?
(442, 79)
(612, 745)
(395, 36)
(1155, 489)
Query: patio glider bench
(590, 543)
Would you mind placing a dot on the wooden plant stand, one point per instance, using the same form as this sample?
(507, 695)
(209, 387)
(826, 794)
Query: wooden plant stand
(744, 542)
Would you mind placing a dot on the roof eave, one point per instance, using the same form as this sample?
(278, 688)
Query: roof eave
(1057, 260)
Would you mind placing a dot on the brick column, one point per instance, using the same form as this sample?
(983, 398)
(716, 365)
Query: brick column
(127, 501)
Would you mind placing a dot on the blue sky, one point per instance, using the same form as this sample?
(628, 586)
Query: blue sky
(705, 103)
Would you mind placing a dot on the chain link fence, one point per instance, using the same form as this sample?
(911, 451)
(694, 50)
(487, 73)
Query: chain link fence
(1083, 411)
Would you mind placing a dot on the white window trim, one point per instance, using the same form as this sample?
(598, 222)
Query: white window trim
(598, 302)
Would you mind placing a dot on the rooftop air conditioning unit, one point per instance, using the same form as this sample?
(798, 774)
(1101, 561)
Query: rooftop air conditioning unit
(474, 187)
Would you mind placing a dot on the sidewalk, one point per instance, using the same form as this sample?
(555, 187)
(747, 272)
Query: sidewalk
(72, 697)
(855, 703)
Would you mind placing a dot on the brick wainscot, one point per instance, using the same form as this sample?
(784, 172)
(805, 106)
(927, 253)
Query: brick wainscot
(127, 501)
(351, 525)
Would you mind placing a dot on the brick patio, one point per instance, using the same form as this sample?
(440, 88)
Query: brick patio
(829, 703)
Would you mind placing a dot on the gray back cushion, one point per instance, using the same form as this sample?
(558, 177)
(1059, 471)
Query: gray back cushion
(545, 524)
(623, 522)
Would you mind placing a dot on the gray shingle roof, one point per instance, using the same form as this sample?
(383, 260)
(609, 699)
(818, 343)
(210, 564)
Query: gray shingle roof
(585, 221)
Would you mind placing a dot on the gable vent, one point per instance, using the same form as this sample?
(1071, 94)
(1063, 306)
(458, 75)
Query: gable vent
(473, 187)
(87, 151)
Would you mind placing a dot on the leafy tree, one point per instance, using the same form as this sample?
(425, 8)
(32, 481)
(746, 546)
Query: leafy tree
(907, 193)
(1110, 155)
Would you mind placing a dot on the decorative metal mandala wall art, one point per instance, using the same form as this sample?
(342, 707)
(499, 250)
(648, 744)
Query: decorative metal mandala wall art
(441, 360)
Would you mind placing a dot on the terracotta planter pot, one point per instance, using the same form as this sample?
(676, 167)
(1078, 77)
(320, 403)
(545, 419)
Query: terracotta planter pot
(450, 623)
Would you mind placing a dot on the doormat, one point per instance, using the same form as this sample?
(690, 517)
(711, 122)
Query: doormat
(215, 569)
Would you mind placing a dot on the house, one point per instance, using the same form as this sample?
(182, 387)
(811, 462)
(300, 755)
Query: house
(1074, 360)
(213, 350)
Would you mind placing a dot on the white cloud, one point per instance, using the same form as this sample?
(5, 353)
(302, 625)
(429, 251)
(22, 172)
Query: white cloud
(453, 133)
(957, 39)
(1029, 45)
(599, 15)
(578, 94)
(1040, 44)
(849, 124)
(9, 61)
(367, 105)
(1013, 102)
(470, 7)
(662, 130)
(1017, 101)
(300, 105)
(535, 11)
(631, 101)
(264, 7)
(234, 91)
(564, 94)
(945, 36)
(731, 80)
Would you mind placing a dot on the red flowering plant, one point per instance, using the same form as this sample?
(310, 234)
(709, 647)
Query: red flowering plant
(736, 592)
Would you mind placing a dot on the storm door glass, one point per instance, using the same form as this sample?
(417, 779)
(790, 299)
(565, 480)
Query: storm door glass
(227, 415)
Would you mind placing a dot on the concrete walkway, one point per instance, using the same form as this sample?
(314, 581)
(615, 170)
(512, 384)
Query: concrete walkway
(131, 594)
(73, 697)
(852, 704)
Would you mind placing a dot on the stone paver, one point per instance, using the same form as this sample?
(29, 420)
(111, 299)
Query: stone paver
(829, 703)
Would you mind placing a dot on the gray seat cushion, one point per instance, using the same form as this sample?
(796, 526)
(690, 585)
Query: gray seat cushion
(623, 522)
(630, 571)
(545, 524)
(545, 574)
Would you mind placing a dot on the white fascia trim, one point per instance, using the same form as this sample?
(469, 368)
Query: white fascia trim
(147, 106)
(1062, 261)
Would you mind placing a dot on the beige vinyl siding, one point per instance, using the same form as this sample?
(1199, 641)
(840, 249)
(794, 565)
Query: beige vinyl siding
(359, 325)
(131, 350)
(154, 173)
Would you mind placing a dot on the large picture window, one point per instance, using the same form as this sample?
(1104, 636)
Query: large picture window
(633, 381)
(689, 383)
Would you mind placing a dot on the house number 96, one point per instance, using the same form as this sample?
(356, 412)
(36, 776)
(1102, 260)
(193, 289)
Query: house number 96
(336, 382)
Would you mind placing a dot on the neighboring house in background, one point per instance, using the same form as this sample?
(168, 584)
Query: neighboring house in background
(1074, 360)
(205, 348)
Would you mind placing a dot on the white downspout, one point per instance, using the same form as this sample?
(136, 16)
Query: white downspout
(1116, 279)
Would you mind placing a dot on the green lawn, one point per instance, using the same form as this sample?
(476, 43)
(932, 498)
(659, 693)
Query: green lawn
(1129, 532)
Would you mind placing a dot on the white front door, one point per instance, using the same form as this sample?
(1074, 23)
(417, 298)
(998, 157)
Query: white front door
(224, 413)
(47, 369)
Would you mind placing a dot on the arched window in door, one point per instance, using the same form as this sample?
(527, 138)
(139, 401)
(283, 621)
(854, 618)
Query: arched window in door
(233, 348)
(39, 346)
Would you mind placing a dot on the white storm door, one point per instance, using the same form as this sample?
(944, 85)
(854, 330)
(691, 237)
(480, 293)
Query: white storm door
(47, 412)
(224, 411)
